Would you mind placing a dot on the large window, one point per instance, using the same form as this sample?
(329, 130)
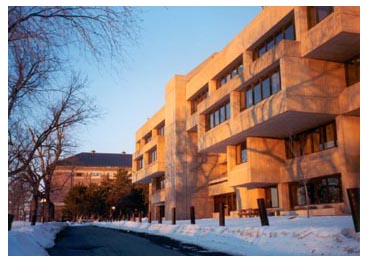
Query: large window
(241, 153)
(260, 89)
(311, 141)
(202, 95)
(352, 68)
(159, 183)
(321, 190)
(317, 14)
(287, 31)
(271, 197)
(231, 72)
(148, 137)
(161, 129)
(229, 200)
(152, 155)
(139, 163)
(218, 116)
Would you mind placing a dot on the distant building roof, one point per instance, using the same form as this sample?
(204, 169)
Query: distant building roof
(98, 160)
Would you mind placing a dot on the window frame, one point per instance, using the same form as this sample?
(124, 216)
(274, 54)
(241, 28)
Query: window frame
(212, 121)
(313, 15)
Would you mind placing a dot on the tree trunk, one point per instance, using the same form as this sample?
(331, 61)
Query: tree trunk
(34, 209)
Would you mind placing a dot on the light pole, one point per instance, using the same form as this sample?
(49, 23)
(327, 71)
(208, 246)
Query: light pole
(43, 201)
(112, 212)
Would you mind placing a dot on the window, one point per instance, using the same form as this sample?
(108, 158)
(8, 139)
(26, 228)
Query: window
(139, 163)
(317, 14)
(152, 155)
(320, 190)
(95, 174)
(218, 116)
(159, 183)
(161, 130)
(287, 31)
(204, 93)
(271, 197)
(315, 140)
(241, 153)
(148, 137)
(229, 200)
(79, 174)
(230, 73)
(352, 68)
(261, 89)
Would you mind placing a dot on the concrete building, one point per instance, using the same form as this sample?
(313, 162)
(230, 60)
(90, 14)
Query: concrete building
(279, 105)
(85, 168)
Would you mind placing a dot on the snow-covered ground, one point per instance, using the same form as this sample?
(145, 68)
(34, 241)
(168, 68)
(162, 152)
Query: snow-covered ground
(246, 236)
(25, 240)
(284, 236)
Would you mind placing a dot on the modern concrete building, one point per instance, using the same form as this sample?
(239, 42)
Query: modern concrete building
(85, 168)
(278, 106)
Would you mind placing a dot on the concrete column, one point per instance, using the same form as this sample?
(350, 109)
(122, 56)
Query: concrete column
(212, 86)
(284, 196)
(348, 141)
(235, 103)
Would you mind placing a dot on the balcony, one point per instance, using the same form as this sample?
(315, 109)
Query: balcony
(144, 175)
(312, 165)
(336, 38)
(301, 104)
(349, 100)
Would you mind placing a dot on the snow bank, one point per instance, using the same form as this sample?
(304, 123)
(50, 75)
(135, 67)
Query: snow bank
(285, 236)
(27, 240)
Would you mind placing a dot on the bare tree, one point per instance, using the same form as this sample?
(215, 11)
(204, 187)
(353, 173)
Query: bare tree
(42, 106)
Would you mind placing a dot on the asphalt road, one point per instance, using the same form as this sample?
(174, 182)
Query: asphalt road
(97, 241)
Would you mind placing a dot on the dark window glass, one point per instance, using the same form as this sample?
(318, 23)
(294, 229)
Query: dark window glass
(289, 33)
(262, 50)
(352, 68)
(270, 44)
(271, 197)
(317, 14)
(240, 69)
(211, 120)
(276, 85)
(228, 111)
(241, 154)
(257, 93)
(266, 88)
(216, 118)
(330, 136)
(222, 114)
(311, 141)
(249, 99)
(321, 190)
(279, 37)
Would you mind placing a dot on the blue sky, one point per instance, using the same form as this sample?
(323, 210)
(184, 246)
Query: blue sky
(173, 40)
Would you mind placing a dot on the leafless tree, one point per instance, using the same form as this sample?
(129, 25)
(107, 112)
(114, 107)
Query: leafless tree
(46, 99)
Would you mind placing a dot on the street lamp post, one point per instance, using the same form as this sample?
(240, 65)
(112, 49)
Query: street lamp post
(112, 212)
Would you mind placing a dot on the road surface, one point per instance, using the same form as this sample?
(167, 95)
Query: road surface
(97, 241)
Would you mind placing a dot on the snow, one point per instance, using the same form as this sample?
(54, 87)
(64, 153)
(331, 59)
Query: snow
(285, 236)
(27, 240)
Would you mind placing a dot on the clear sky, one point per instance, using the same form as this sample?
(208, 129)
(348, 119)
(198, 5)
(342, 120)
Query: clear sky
(173, 40)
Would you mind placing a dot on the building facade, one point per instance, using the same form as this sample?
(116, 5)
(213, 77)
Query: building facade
(85, 168)
(277, 107)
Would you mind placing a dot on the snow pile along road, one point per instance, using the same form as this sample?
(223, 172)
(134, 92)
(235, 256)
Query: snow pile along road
(298, 236)
(27, 240)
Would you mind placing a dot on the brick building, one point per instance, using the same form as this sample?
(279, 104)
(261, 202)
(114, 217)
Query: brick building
(278, 105)
(85, 168)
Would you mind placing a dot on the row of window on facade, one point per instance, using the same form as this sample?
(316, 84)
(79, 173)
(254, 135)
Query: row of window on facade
(268, 85)
(148, 137)
(95, 174)
(320, 190)
(152, 157)
(310, 141)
